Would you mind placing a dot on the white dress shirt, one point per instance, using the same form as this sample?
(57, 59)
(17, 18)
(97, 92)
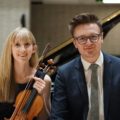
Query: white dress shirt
(88, 71)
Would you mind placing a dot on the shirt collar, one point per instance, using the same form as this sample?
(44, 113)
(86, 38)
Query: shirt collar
(99, 62)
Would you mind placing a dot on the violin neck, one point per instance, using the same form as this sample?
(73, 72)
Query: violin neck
(29, 101)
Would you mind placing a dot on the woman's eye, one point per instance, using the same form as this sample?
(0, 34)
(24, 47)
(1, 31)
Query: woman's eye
(17, 44)
(27, 44)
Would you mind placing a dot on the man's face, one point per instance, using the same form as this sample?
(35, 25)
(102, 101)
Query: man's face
(88, 41)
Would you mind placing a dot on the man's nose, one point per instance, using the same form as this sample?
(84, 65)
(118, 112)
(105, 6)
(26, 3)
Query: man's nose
(88, 41)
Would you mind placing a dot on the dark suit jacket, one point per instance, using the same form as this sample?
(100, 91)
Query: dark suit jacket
(70, 98)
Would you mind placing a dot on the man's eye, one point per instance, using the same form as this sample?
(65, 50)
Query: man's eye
(93, 37)
(81, 38)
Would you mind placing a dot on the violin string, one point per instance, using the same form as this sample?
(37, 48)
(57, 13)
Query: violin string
(47, 47)
(23, 97)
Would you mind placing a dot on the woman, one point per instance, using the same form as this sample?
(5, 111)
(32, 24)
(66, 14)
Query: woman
(18, 64)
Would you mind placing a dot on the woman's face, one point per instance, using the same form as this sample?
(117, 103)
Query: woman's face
(22, 51)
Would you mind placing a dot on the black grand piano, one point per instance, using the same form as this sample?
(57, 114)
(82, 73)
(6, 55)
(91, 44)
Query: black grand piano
(66, 51)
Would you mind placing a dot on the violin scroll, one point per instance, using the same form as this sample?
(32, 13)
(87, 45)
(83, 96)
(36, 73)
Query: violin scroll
(48, 68)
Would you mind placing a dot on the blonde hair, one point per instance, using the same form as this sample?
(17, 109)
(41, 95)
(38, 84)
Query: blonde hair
(6, 61)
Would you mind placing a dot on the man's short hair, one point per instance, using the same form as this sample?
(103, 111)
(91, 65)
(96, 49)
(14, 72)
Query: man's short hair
(84, 18)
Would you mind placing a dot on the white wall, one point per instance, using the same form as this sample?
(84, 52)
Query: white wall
(10, 14)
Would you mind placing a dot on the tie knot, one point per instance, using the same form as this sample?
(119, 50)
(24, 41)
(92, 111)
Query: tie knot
(93, 67)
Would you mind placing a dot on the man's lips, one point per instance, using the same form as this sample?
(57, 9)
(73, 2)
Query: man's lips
(89, 48)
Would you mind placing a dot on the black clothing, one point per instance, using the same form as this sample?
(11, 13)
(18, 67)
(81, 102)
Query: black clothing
(6, 109)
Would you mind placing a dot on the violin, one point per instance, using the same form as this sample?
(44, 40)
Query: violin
(28, 103)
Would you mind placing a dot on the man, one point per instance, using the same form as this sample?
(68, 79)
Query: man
(72, 99)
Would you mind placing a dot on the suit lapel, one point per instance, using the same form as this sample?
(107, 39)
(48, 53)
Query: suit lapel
(107, 77)
(79, 71)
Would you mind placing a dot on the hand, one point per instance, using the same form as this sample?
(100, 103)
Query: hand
(39, 85)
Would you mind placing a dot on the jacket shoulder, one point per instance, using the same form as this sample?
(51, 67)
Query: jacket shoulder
(70, 65)
(111, 58)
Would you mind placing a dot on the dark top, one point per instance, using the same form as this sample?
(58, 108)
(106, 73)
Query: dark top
(6, 109)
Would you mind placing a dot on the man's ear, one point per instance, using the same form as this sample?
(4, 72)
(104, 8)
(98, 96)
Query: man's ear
(102, 37)
(34, 48)
(74, 42)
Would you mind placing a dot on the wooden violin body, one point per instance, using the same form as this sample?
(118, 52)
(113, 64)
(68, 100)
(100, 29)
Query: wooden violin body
(26, 113)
